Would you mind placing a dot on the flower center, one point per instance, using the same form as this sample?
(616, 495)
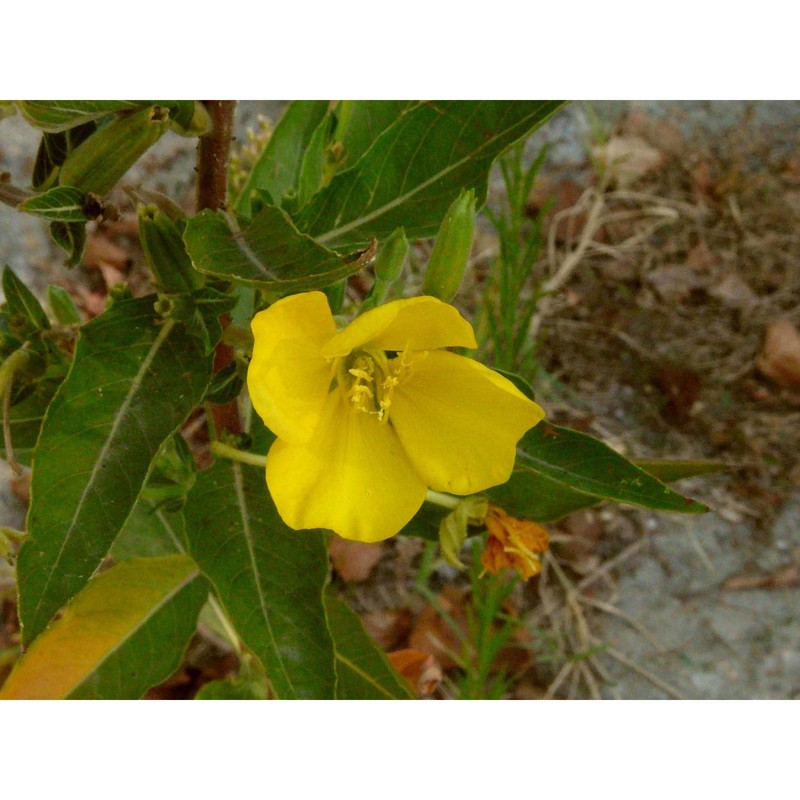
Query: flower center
(368, 379)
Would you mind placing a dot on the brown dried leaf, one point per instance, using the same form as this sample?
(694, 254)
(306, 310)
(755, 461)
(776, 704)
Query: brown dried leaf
(420, 670)
(681, 388)
(779, 359)
(93, 303)
(388, 628)
(101, 250)
(354, 561)
(434, 635)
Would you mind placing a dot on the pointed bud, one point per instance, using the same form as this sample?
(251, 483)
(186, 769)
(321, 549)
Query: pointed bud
(102, 159)
(450, 254)
(166, 254)
(389, 263)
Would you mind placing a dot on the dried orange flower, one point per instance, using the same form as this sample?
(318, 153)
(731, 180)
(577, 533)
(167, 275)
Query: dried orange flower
(513, 543)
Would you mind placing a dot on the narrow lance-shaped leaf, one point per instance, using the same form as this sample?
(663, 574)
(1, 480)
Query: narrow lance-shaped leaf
(269, 579)
(268, 253)
(20, 300)
(277, 169)
(133, 381)
(555, 464)
(125, 632)
(417, 167)
(362, 670)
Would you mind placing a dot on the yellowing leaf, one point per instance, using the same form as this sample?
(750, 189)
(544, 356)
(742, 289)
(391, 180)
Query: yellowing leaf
(114, 622)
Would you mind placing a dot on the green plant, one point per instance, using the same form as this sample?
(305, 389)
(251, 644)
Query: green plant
(127, 538)
(514, 287)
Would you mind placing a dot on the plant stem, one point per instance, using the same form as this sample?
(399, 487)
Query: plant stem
(212, 156)
(242, 456)
(212, 187)
(443, 500)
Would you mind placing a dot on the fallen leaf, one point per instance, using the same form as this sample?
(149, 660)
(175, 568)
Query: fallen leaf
(627, 159)
(434, 635)
(779, 359)
(388, 628)
(559, 196)
(354, 561)
(101, 250)
(681, 388)
(420, 670)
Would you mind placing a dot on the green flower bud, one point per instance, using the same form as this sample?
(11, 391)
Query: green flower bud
(102, 159)
(389, 264)
(162, 242)
(451, 249)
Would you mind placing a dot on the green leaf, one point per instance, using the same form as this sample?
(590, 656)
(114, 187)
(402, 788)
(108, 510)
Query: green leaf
(559, 470)
(150, 531)
(669, 470)
(125, 632)
(362, 670)
(417, 167)
(269, 579)
(20, 300)
(361, 122)
(133, 382)
(60, 204)
(53, 116)
(232, 690)
(269, 253)
(25, 420)
(250, 684)
(53, 151)
(277, 170)
(71, 238)
(313, 173)
(62, 306)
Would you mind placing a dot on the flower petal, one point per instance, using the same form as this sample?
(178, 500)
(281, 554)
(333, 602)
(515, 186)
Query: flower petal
(353, 477)
(288, 379)
(460, 422)
(416, 323)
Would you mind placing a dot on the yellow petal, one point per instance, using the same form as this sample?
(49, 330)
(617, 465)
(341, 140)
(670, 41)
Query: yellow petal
(288, 379)
(460, 422)
(352, 477)
(417, 323)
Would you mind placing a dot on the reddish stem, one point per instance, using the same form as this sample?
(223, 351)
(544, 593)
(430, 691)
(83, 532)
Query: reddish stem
(212, 188)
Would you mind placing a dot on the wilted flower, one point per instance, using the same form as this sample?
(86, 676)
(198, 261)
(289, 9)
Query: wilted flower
(370, 417)
(513, 543)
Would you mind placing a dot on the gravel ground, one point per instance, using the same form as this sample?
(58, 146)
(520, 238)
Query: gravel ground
(703, 642)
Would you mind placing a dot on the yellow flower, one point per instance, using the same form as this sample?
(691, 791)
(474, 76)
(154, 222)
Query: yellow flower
(513, 544)
(369, 417)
